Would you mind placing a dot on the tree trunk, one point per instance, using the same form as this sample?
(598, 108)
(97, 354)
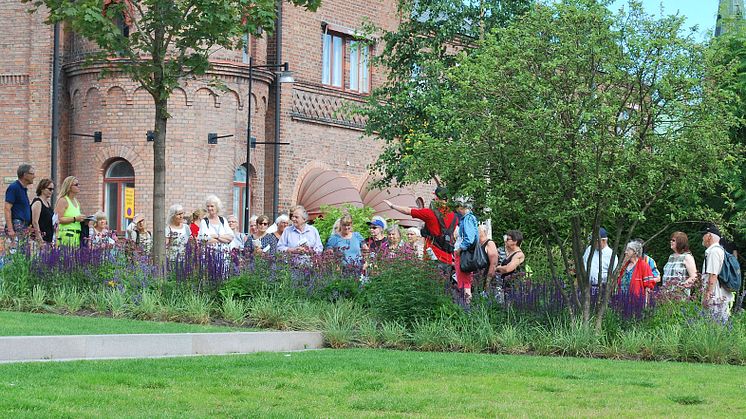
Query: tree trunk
(159, 181)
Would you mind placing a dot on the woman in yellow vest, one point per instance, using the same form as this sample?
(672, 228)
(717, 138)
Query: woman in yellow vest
(68, 213)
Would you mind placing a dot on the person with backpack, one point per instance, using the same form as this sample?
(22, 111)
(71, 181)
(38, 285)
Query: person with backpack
(439, 231)
(214, 229)
(721, 276)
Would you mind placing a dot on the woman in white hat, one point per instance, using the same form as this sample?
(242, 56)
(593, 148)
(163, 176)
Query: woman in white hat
(138, 233)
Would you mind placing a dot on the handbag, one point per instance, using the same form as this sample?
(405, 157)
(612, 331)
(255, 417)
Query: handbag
(474, 258)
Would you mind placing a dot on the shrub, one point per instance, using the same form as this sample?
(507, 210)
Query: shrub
(572, 338)
(269, 311)
(37, 301)
(306, 315)
(116, 302)
(433, 335)
(69, 299)
(393, 335)
(339, 324)
(148, 305)
(329, 216)
(512, 339)
(405, 291)
(197, 308)
(234, 310)
(368, 334)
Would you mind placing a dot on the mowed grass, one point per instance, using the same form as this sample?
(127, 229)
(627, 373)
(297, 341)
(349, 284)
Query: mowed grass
(370, 383)
(31, 324)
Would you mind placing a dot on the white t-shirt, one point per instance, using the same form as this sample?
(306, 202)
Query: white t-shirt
(179, 238)
(218, 228)
(606, 263)
(713, 264)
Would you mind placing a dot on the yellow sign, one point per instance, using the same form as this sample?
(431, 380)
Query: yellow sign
(129, 203)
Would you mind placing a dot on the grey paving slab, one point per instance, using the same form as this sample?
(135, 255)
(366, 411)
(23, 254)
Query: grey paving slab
(45, 348)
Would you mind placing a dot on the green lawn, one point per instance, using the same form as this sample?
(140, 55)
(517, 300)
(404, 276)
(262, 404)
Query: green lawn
(355, 383)
(30, 324)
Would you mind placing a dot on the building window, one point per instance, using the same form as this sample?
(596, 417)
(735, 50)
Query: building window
(119, 176)
(343, 55)
(239, 194)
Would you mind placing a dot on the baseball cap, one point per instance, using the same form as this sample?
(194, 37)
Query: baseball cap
(710, 228)
(376, 223)
(441, 192)
(602, 234)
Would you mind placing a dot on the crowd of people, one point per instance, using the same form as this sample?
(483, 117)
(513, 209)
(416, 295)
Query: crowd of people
(451, 233)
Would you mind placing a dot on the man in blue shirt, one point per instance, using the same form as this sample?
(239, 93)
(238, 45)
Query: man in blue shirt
(300, 238)
(17, 207)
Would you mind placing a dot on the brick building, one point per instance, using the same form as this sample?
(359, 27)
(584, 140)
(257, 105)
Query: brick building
(326, 161)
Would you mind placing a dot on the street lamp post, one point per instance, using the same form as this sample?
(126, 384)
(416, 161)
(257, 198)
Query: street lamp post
(283, 77)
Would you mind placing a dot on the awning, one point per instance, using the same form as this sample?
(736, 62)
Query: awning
(326, 187)
(374, 198)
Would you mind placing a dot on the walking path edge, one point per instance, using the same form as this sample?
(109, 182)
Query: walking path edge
(80, 347)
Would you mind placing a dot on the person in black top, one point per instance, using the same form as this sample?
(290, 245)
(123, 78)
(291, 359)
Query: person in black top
(41, 212)
(377, 242)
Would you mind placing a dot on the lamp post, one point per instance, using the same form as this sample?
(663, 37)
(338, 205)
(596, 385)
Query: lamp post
(283, 77)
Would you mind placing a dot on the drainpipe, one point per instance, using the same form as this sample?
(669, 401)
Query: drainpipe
(55, 103)
(278, 94)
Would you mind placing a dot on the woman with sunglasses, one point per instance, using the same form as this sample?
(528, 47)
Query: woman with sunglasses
(42, 213)
(680, 272)
(68, 213)
(267, 241)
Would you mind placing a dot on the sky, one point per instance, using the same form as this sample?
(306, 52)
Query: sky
(697, 12)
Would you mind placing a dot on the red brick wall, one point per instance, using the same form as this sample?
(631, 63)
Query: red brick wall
(319, 135)
(25, 79)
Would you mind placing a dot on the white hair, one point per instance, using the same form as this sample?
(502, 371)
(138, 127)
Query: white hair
(253, 219)
(172, 210)
(282, 217)
(635, 246)
(414, 230)
(304, 213)
(214, 200)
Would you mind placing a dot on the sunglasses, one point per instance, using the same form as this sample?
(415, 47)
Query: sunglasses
(180, 213)
(262, 224)
(76, 184)
(50, 189)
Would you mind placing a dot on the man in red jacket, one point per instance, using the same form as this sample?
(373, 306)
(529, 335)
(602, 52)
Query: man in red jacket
(440, 225)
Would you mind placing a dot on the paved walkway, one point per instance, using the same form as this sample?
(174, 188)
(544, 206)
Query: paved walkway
(75, 347)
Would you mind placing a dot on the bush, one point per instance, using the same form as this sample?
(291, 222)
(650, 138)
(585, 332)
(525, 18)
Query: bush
(405, 291)
(329, 216)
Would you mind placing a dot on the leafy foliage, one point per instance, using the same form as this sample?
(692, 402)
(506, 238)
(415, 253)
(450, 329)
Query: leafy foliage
(405, 291)
(571, 118)
(330, 215)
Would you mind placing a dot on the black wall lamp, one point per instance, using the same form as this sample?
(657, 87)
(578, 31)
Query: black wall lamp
(97, 136)
(212, 138)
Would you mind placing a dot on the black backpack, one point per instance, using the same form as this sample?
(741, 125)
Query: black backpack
(207, 221)
(445, 240)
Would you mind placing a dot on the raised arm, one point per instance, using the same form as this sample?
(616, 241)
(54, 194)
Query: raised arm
(399, 208)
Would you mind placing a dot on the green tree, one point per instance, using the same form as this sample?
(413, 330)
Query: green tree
(572, 118)
(166, 42)
(733, 47)
(416, 57)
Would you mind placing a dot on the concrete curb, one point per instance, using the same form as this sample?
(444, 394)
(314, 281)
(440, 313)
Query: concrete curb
(46, 348)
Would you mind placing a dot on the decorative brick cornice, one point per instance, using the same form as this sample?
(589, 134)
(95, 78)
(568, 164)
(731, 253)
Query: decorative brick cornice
(14, 79)
(325, 106)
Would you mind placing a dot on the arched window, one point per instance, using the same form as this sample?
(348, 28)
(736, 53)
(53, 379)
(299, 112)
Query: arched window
(420, 203)
(118, 177)
(239, 194)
